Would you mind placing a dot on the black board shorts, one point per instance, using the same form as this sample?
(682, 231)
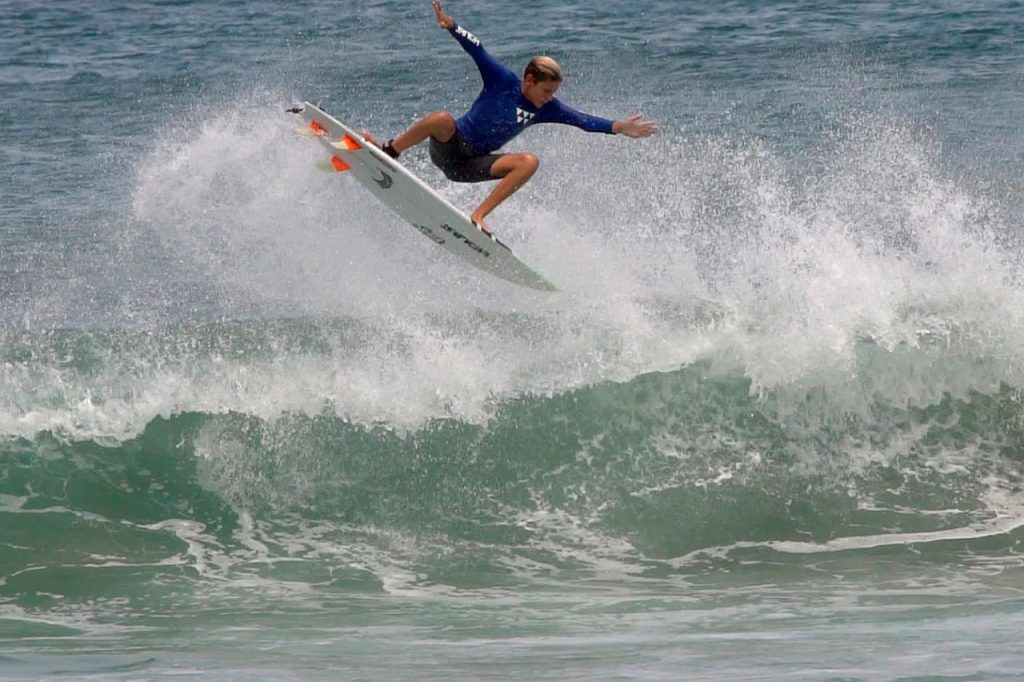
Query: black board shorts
(461, 163)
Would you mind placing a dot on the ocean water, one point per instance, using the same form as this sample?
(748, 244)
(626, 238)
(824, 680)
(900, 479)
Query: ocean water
(771, 426)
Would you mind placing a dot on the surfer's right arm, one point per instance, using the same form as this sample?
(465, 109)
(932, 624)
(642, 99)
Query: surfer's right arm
(445, 21)
(491, 70)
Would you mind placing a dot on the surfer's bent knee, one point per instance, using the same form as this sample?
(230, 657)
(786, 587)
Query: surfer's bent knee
(523, 162)
(530, 162)
(443, 125)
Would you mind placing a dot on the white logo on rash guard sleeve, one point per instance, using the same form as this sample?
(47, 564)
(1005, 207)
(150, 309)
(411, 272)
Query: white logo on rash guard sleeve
(468, 36)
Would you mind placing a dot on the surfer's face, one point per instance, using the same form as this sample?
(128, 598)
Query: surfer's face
(538, 92)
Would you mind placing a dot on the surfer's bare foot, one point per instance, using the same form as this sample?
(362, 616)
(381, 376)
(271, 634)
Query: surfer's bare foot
(388, 147)
(368, 136)
(479, 222)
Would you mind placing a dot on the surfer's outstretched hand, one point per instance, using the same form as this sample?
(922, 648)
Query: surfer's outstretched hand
(635, 126)
(445, 21)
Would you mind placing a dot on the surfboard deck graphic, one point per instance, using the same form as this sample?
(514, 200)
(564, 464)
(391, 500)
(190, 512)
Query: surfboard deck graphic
(408, 196)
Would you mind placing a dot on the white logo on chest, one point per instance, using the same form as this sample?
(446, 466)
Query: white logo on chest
(523, 117)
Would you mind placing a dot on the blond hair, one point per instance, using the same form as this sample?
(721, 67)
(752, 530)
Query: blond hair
(544, 69)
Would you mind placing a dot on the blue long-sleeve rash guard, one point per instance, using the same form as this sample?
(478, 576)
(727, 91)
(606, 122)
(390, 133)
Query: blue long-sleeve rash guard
(501, 112)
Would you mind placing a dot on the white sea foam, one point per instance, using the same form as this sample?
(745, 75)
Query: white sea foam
(875, 277)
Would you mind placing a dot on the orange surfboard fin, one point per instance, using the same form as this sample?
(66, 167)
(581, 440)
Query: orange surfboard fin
(348, 143)
(317, 129)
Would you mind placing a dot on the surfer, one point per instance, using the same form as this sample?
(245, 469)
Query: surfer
(464, 148)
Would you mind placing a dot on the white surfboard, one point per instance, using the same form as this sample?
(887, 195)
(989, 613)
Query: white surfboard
(408, 196)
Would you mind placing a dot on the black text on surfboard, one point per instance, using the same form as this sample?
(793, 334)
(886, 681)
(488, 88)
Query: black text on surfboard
(461, 238)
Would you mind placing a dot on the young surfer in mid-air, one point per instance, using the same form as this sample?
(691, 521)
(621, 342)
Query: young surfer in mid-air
(464, 148)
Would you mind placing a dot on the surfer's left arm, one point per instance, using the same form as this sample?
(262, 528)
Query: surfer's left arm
(634, 126)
